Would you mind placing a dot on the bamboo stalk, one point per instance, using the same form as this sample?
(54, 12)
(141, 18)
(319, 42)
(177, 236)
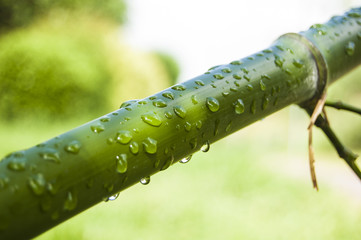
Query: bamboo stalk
(47, 184)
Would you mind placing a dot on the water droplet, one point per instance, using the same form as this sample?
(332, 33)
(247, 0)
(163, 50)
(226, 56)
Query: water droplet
(145, 180)
(122, 164)
(199, 124)
(4, 181)
(267, 51)
(266, 76)
(226, 70)
(350, 48)
(194, 99)
(73, 147)
(186, 159)
(113, 197)
(124, 137)
(216, 127)
(168, 94)
(37, 184)
(17, 162)
(320, 28)
(52, 187)
(253, 107)
(71, 201)
(262, 85)
(354, 14)
(159, 103)
(128, 103)
(218, 76)
(168, 114)
(237, 76)
(150, 145)
(134, 148)
(280, 47)
(152, 98)
(229, 127)
(143, 102)
(213, 85)
(212, 104)
(237, 62)
(250, 58)
(265, 103)
(97, 128)
(225, 94)
(152, 119)
(247, 78)
(298, 63)
(233, 89)
(199, 82)
(239, 106)
(279, 61)
(180, 111)
(105, 119)
(249, 87)
(187, 126)
(50, 154)
(167, 163)
(206, 146)
(245, 70)
(179, 87)
(193, 143)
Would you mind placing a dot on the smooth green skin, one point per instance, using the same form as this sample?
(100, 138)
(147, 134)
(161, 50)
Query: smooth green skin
(284, 74)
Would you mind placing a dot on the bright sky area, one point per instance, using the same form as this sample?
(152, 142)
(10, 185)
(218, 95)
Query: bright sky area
(204, 33)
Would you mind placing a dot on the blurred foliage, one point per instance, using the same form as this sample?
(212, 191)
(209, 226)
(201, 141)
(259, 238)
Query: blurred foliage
(171, 65)
(22, 12)
(68, 64)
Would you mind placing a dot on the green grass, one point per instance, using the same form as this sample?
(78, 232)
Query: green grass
(243, 188)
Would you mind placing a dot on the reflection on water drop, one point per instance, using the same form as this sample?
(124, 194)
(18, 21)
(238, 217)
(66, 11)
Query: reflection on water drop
(186, 159)
(113, 197)
(206, 147)
(145, 180)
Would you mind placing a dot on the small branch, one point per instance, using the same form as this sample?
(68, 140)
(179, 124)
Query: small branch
(342, 151)
(343, 106)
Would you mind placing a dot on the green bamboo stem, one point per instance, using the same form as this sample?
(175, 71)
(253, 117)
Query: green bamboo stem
(45, 185)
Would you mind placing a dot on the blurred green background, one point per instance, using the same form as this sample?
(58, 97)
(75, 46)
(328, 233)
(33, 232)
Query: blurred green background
(65, 63)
